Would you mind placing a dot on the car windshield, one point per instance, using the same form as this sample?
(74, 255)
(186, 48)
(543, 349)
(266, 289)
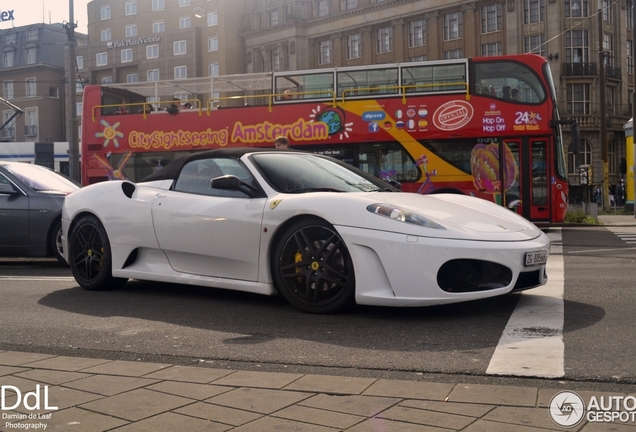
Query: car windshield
(298, 173)
(42, 179)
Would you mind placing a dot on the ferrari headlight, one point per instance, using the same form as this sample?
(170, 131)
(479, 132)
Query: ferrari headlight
(402, 215)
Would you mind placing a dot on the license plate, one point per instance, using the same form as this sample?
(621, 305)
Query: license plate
(536, 258)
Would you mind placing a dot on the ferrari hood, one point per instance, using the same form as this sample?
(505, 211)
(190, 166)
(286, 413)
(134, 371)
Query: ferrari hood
(463, 217)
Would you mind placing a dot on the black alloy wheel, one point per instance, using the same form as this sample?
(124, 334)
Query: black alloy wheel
(313, 269)
(90, 256)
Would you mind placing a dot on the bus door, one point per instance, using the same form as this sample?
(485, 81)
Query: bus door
(529, 194)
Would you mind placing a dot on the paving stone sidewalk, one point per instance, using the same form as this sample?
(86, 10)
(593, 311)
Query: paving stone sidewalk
(93, 395)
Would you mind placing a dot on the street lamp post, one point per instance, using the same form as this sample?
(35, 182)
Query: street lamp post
(601, 85)
(71, 129)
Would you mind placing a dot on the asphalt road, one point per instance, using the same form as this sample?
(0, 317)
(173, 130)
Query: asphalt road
(43, 310)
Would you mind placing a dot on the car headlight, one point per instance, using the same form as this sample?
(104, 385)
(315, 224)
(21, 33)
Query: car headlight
(402, 215)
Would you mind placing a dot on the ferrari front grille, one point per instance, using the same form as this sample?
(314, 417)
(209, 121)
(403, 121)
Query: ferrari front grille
(467, 275)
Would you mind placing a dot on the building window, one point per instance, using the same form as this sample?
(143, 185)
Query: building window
(578, 99)
(179, 47)
(180, 72)
(349, 4)
(384, 40)
(353, 46)
(31, 55)
(453, 26)
(101, 59)
(533, 11)
(8, 58)
(158, 27)
(491, 49)
(106, 35)
(31, 122)
(107, 80)
(213, 43)
(535, 44)
(131, 30)
(583, 158)
(9, 38)
(104, 12)
(79, 62)
(273, 18)
(417, 33)
(213, 69)
(608, 46)
(213, 18)
(630, 57)
(323, 8)
(32, 34)
(153, 75)
(184, 3)
(608, 9)
(126, 55)
(491, 18)
(158, 5)
(324, 52)
(132, 78)
(275, 60)
(417, 58)
(576, 46)
(31, 87)
(185, 22)
(152, 51)
(629, 15)
(54, 92)
(79, 106)
(8, 90)
(575, 8)
(453, 54)
(79, 87)
(130, 8)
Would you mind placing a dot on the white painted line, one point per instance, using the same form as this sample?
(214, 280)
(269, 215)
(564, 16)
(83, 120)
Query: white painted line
(600, 250)
(37, 278)
(532, 342)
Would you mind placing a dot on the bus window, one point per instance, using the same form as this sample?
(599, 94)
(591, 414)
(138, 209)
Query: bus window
(433, 78)
(365, 82)
(387, 161)
(307, 86)
(511, 74)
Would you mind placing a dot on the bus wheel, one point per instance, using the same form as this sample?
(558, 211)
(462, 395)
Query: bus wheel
(90, 256)
(313, 269)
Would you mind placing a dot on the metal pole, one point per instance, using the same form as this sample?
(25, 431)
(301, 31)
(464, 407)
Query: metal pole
(601, 85)
(71, 129)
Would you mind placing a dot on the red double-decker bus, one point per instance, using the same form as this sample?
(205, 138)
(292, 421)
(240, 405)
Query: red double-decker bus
(487, 127)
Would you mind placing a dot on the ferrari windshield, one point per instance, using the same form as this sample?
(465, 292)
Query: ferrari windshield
(298, 173)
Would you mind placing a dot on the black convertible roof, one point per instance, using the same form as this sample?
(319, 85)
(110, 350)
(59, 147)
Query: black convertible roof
(172, 170)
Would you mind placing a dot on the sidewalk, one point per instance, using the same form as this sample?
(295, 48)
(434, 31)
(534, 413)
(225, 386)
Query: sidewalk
(104, 395)
(617, 220)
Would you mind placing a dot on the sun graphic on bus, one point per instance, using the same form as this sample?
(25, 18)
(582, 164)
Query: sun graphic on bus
(334, 118)
(109, 133)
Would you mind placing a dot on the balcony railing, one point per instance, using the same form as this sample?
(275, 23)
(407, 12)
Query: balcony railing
(613, 72)
(616, 116)
(579, 69)
(30, 130)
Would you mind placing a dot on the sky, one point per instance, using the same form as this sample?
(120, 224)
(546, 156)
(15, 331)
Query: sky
(27, 12)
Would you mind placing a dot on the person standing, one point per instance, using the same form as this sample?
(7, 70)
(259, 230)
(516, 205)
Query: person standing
(281, 143)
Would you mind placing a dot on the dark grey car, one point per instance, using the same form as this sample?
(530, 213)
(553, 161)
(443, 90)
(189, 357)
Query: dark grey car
(31, 198)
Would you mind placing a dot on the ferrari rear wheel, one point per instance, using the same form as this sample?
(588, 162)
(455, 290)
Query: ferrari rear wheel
(313, 269)
(90, 256)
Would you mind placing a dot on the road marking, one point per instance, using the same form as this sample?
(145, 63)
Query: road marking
(37, 278)
(532, 342)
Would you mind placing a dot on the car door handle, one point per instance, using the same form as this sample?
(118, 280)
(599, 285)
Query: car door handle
(160, 195)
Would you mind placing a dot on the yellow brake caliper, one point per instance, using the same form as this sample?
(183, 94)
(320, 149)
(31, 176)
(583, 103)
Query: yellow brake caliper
(298, 258)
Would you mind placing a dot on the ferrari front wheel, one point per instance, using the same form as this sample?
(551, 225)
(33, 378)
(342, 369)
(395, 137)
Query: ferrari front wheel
(313, 269)
(90, 257)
